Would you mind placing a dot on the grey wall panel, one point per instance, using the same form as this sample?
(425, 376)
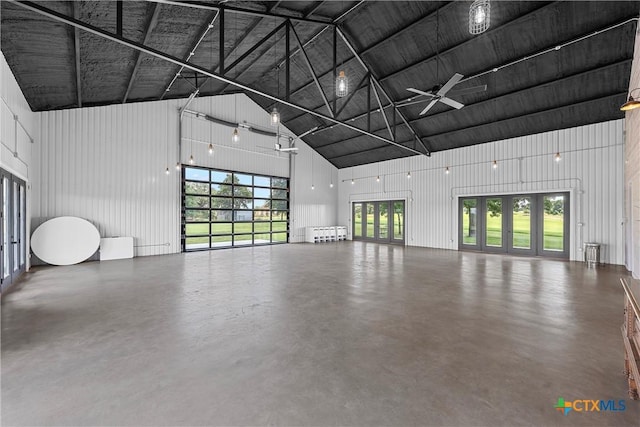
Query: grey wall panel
(591, 169)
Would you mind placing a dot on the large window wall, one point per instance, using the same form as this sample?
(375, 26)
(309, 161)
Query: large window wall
(222, 209)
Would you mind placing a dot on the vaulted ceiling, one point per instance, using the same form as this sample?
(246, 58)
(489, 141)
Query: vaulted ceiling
(546, 65)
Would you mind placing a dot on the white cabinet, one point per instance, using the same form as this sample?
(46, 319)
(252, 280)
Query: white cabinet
(318, 234)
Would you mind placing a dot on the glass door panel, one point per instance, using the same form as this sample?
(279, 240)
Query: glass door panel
(493, 223)
(6, 271)
(370, 219)
(469, 222)
(553, 223)
(383, 220)
(521, 223)
(357, 220)
(398, 221)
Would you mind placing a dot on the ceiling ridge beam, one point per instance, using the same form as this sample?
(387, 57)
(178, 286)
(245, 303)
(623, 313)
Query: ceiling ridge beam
(35, 7)
(151, 24)
(535, 113)
(238, 10)
(373, 46)
(432, 57)
(496, 98)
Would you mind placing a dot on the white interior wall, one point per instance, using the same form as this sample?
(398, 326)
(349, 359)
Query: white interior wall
(107, 165)
(18, 125)
(632, 171)
(590, 169)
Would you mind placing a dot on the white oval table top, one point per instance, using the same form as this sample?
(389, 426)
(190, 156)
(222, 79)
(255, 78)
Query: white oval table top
(65, 240)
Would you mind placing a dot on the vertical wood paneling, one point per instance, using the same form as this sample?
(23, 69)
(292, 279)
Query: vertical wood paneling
(107, 164)
(591, 169)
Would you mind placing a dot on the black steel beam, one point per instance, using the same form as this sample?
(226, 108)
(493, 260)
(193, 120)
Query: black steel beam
(76, 45)
(312, 71)
(287, 68)
(254, 47)
(35, 7)
(151, 24)
(521, 91)
(119, 17)
(313, 9)
(535, 113)
(241, 11)
(335, 65)
(221, 42)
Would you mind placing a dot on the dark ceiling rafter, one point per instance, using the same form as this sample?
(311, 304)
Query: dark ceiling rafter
(205, 28)
(489, 70)
(264, 14)
(552, 81)
(314, 37)
(76, 46)
(377, 44)
(198, 69)
(310, 67)
(423, 60)
(313, 9)
(151, 24)
(532, 114)
(469, 40)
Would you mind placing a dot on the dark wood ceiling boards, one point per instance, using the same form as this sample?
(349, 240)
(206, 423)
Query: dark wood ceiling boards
(404, 44)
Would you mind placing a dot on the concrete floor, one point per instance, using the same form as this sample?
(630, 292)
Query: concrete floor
(328, 334)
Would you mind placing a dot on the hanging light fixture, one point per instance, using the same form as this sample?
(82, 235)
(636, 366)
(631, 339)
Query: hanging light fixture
(557, 157)
(236, 135)
(275, 117)
(352, 181)
(167, 170)
(479, 16)
(342, 84)
(191, 159)
(378, 178)
(178, 166)
(409, 175)
(313, 187)
(210, 149)
(331, 185)
(631, 103)
(446, 170)
(495, 164)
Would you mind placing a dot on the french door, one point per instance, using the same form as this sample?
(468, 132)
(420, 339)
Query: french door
(528, 224)
(13, 230)
(381, 221)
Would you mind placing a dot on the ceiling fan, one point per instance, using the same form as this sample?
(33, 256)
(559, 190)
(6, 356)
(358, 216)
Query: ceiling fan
(438, 94)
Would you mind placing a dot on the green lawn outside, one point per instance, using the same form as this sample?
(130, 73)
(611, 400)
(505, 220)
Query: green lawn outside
(553, 231)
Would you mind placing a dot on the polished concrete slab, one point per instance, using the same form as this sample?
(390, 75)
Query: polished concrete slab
(343, 333)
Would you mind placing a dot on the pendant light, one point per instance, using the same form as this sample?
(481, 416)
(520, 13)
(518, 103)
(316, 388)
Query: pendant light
(191, 161)
(557, 157)
(167, 170)
(210, 149)
(342, 84)
(378, 178)
(446, 170)
(178, 167)
(631, 103)
(479, 16)
(275, 117)
(495, 164)
(409, 175)
(236, 135)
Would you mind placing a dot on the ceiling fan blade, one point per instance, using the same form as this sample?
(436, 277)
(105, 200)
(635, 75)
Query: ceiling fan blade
(419, 101)
(451, 83)
(431, 104)
(420, 92)
(451, 102)
(468, 90)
